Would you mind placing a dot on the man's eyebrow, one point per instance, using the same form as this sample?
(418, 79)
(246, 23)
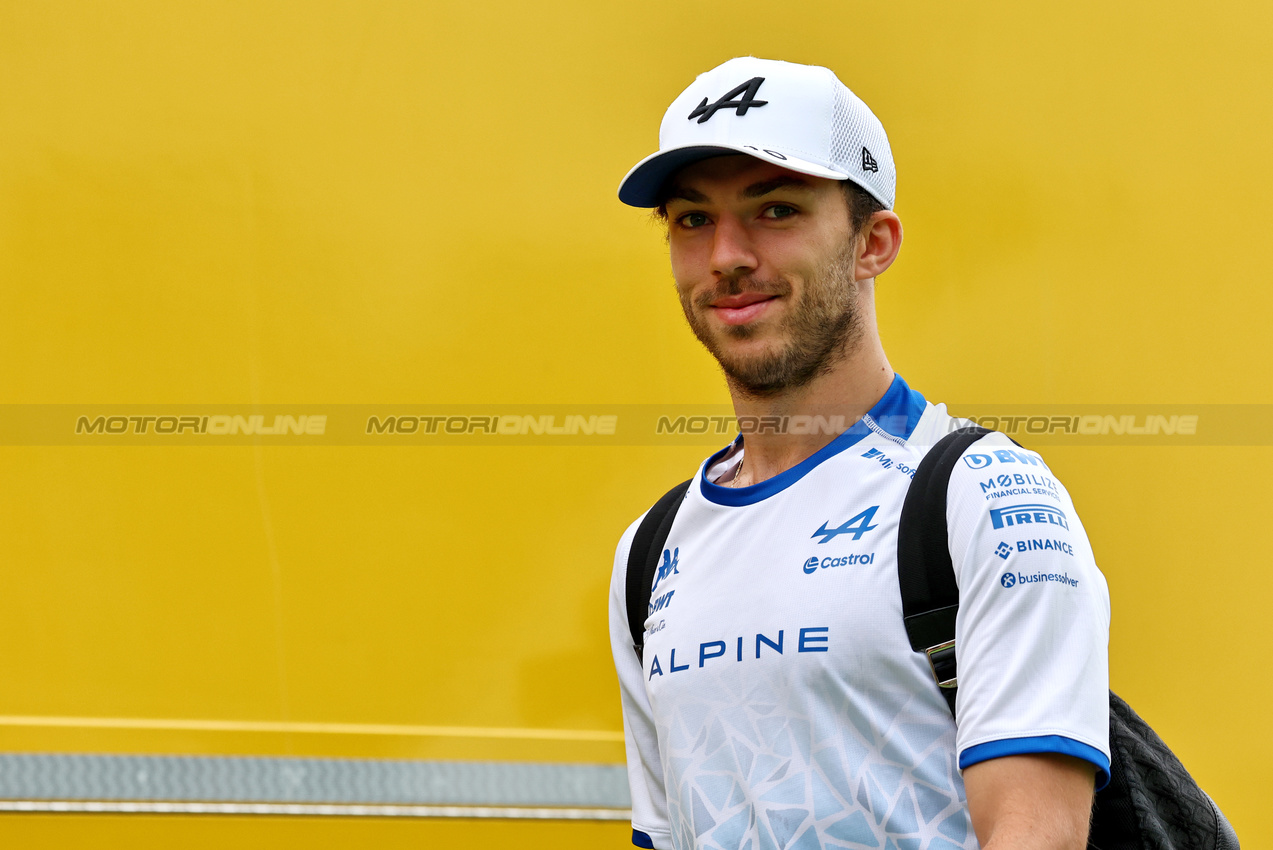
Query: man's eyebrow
(759, 190)
(684, 193)
(755, 190)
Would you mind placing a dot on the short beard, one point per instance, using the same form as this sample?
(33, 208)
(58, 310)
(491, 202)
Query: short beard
(821, 329)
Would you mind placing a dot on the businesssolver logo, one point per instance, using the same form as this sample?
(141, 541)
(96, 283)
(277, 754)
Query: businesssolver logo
(1014, 515)
(1013, 579)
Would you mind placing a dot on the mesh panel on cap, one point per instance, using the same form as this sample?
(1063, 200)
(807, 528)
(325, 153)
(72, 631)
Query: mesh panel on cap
(853, 127)
(846, 132)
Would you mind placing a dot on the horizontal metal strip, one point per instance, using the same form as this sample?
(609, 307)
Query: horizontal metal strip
(279, 780)
(199, 725)
(306, 810)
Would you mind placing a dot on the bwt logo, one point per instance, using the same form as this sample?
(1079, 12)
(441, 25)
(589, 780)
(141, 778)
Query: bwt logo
(1027, 515)
(668, 567)
(977, 461)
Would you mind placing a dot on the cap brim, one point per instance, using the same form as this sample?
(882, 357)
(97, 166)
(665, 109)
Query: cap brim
(643, 185)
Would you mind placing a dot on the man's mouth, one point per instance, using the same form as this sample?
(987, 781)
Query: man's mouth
(742, 308)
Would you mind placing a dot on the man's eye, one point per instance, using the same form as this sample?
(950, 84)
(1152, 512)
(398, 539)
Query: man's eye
(779, 211)
(693, 219)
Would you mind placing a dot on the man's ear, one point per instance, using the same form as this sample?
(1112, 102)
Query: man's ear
(879, 242)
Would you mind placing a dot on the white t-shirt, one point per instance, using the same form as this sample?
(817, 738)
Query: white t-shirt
(780, 704)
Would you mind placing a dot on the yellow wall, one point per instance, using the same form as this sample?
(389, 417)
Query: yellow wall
(377, 203)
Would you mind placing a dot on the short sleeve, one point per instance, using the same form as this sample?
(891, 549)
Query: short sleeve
(650, 826)
(1032, 634)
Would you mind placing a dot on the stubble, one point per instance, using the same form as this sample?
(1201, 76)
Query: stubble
(820, 330)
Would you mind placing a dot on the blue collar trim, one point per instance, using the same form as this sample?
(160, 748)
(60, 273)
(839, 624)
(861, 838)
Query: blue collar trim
(897, 413)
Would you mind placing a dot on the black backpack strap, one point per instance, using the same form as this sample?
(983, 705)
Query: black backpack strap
(930, 596)
(643, 559)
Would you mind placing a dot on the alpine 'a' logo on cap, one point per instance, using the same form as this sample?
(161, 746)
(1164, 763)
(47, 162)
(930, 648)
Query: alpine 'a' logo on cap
(748, 91)
(868, 161)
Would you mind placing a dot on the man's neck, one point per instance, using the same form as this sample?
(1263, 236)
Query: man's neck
(841, 397)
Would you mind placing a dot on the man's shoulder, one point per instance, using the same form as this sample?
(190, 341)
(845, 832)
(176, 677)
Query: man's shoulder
(625, 539)
(935, 423)
(629, 534)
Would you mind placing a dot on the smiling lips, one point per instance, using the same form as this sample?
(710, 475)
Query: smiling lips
(742, 308)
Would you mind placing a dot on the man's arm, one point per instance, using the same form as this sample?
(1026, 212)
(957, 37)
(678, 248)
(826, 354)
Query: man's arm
(1031, 802)
(1032, 640)
(645, 771)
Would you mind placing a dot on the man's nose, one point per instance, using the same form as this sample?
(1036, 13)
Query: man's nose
(732, 250)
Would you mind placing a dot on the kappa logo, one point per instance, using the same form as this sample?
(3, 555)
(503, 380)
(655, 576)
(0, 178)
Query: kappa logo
(868, 161)
(857, 526)
(668, 567)
(748, 90)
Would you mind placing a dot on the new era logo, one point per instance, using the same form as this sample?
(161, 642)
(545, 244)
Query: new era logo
(868, 161)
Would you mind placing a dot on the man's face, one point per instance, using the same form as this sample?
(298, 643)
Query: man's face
(763, 259)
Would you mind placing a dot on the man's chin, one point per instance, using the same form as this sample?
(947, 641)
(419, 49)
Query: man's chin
(759, 375)
(746, 352)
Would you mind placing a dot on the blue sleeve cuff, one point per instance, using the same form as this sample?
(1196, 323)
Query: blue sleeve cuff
(1037, 744)
(640, 839)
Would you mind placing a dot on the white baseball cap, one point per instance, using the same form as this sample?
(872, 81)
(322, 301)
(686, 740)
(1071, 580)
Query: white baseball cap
(798, 116)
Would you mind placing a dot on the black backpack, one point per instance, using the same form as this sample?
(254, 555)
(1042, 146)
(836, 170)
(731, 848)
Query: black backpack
(1151, 801)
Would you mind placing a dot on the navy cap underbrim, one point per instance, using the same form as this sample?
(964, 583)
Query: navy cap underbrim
(643, 185)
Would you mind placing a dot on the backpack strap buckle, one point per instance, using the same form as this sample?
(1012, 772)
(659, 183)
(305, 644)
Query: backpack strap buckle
(941, 660)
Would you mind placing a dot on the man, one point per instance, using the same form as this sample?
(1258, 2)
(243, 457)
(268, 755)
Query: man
(777, 702)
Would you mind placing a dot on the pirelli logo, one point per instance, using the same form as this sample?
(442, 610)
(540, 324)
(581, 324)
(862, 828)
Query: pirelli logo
(1027, 515)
